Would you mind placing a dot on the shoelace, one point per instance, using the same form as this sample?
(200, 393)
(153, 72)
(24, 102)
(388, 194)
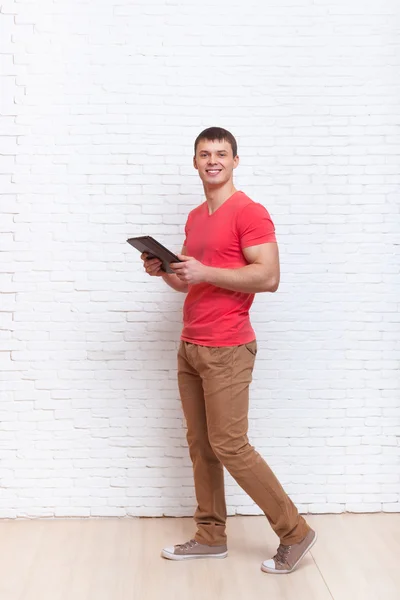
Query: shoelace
(188, 545)
(282, 554)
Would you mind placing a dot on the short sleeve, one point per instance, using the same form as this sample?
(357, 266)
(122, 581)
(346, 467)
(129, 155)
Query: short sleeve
(255, 226)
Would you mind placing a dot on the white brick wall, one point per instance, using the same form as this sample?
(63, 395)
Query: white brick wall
(101, 103)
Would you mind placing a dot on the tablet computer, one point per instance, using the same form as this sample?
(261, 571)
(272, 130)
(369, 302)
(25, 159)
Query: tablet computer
(146, 243)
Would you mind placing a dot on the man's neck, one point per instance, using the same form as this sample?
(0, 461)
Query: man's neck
(216, 196)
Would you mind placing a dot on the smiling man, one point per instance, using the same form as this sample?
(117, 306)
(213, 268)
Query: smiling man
(229, 254)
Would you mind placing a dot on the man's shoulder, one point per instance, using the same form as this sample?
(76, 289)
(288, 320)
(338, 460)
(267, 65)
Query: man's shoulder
(246, 206)
(249, 210)
(243, 200)
(197, 210)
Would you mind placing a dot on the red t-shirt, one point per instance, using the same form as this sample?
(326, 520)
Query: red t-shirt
(213, 316)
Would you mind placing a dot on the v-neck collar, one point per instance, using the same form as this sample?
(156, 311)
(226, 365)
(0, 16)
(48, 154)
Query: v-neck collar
(209, 215)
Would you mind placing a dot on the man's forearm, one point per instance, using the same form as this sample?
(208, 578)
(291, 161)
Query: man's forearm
(173, 281)
(249, 279)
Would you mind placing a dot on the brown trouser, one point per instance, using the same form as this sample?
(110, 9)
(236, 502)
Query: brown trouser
(214, 389)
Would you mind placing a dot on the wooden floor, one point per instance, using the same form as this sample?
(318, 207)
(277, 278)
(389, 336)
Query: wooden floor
(356, 557)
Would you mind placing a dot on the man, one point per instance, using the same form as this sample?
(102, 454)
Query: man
(229, 254)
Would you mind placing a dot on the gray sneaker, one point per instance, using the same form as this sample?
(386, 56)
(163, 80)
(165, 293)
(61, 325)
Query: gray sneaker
(288, 557)
(193, 549)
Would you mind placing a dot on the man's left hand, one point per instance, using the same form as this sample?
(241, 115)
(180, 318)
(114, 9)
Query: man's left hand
(191, 271)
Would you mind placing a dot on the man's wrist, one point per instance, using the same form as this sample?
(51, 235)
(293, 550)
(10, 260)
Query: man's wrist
(208, 274)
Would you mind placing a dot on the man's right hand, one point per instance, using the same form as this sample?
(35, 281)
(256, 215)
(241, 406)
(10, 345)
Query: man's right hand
(152, 266)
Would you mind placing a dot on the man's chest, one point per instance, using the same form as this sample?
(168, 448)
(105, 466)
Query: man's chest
(214, 242)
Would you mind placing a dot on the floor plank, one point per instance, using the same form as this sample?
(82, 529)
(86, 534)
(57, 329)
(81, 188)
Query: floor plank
(119, 559)
(358, 555)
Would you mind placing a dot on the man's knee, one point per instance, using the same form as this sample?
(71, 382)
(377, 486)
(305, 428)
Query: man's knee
(199, 445)
(227, 448)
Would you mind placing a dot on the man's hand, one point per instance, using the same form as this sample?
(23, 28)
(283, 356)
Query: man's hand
(190, 271)
(152, 266)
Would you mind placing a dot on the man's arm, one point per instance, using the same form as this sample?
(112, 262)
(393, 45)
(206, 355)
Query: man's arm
(261, 275)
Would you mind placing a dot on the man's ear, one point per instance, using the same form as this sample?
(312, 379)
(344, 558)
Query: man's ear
(236, 161)
(195, 163)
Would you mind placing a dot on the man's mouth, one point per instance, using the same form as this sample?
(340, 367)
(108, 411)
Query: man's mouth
(213, 171)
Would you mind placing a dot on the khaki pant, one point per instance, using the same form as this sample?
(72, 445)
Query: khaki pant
(214, 389)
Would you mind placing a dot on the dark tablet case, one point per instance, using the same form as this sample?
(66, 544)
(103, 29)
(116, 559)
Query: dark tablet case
(146, 243)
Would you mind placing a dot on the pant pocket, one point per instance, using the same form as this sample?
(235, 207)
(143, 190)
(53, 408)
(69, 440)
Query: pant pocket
(252, 347)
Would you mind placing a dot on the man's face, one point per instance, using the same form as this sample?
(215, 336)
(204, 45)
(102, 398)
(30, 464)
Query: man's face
(215, 162)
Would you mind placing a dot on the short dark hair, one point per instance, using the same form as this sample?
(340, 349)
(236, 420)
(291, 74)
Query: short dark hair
(217, 133)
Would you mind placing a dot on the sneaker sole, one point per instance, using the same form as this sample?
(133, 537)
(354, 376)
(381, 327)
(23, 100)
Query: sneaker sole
(277, 572)
(170, 556)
